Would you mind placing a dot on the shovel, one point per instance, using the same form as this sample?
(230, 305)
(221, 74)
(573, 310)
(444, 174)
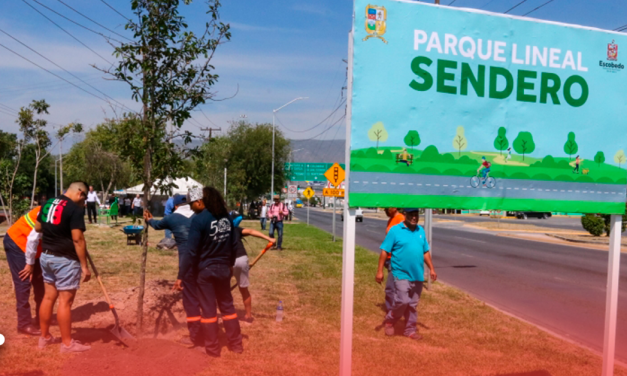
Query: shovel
(118, 332)
(255, 260)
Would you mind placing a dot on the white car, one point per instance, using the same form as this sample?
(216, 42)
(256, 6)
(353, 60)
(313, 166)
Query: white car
(359, 215)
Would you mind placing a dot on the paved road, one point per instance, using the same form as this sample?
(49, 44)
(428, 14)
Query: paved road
(565, 223)
(557, 287)
(374, 182)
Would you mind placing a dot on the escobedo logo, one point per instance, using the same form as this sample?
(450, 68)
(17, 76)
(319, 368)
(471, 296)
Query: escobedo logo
(376, 22)
(612, 51)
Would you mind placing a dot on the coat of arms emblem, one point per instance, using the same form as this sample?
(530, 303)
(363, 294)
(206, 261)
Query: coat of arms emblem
(612, 51)
(376, 22)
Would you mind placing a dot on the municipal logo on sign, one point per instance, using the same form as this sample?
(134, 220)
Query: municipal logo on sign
(376, 18)
(612, 51)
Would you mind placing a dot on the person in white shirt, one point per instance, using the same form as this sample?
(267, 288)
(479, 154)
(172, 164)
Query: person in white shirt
(137, 207)
(127, 206)
(92, 199)
(290, 207)
(263, 215)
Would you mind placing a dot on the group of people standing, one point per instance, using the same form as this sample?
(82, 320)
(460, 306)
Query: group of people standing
(125, 205)
(46, 251)
(275, 214)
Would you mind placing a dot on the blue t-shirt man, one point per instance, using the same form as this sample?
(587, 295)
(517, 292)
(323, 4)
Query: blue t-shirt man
(407, 248)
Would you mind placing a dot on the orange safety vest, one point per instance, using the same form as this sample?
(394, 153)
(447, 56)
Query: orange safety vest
(398, 218)
(22, 228)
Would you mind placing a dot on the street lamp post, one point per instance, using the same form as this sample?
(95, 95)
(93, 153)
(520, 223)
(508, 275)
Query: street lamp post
(273, 116)
(226, 160)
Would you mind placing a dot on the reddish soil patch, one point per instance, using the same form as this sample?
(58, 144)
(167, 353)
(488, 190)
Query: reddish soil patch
(148, 357)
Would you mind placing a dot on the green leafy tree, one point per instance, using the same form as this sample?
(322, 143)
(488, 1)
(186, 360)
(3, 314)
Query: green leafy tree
(60, 135)
(377, 133)
(168, 68)
(571, 147)
(523, 144)
(620, 157)
(412, 139)
(34, 131)
(594, 224)
(10, 158)
(501, 142)
(459, 142)
(599, 158)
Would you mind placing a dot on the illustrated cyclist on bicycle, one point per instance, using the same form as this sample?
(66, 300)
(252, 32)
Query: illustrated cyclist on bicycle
(485, 173)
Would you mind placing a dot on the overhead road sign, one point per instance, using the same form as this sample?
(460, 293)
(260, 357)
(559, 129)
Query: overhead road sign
(311, 172)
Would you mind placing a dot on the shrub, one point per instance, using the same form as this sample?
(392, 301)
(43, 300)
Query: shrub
(452, 171)
(429, 170)
(519, 175)
(387, 154)
(498, 174)
(467, 160)
(447, 158)
(358, 154)
(541, 177)
(430, 154)
(608, 227)
(378, 168)
(357, 167)
(593, 224)
(585, 179)
(564, 178)
(621, 181)
(605, 179)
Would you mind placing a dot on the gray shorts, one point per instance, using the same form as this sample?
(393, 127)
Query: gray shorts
(240, 270)
(62, 272)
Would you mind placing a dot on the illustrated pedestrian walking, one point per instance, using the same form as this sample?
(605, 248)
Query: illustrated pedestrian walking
(137, 206)
(63, 263)
(509, 155)
(179, 223)
(23, 247)
(211, 255)
(394, 218)
(407, 242)
(276, 213)
(263, 216)
(92, 200)
(576, 170)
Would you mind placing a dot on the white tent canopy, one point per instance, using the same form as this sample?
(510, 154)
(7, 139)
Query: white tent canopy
(181, 186)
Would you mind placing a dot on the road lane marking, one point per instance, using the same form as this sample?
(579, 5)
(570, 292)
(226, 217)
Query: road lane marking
(374, 182)
(428, 185)
(562, 190)
(445, 185)
(437, 185)
(508, 188)
(410, 183)
(515, 189)
(383, 182)
(401, 183)
(570, 190)
(524, 189)
(393, 183)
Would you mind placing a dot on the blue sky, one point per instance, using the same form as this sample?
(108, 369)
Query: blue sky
(280, 49)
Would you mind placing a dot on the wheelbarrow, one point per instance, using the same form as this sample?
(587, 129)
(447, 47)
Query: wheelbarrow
(133, 233)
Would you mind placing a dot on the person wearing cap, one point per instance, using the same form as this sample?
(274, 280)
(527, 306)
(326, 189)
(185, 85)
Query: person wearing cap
(211, 256)
(169, 209)
(23, 248)
(407, 243)
(277, 212)
(394, 218)
(179, 222)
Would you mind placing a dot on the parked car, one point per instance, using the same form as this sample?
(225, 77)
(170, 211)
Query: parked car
(359, 215)
(484, 212)
(525, 215)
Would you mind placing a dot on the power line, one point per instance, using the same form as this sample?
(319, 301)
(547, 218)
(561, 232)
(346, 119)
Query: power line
(451, 3)
(63, 69)
(115, 10)
(76, 23)
(486, 4)
(515, 6)
(620, 28)
(67, 32)
(54, 74)
(99, 24)
(533, 10)
(315, 126)
(324, 131)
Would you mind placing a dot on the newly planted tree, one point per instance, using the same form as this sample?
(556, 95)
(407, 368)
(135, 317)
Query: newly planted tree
(571, 147)
(501, 142)
(168, 68)
(620, 157)
(459, 142)
(377, 133)
(412, 139)
(599, 158)
(523, 144)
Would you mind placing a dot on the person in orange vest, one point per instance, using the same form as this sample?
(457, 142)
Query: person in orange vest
(23, 247)
(394, 218)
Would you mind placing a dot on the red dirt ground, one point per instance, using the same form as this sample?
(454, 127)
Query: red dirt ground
(147, 357)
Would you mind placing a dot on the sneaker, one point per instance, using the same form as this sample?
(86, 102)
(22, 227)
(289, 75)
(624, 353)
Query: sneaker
(389, 329)
(75, 346)
(43, 342)
(415, 336)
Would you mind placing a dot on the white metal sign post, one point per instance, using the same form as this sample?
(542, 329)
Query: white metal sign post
(611, 302)
(348, 249)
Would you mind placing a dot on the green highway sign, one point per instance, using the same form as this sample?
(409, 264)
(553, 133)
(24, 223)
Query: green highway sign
(307, 171)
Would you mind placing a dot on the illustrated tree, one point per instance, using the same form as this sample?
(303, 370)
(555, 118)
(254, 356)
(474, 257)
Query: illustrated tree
(620, 157)
(412, 139)
(571, 147)
(459, 142)
(523, 144)
(168, 68)
(599, 158)
(501, 142)
(33, 130)
(377, 133)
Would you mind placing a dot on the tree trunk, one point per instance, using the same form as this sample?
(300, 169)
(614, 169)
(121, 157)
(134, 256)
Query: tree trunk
(4, 208)
(32, 197)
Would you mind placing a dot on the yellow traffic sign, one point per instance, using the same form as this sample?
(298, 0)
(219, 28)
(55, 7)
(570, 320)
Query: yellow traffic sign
(309, 193)
(335, 175)
(332, 192)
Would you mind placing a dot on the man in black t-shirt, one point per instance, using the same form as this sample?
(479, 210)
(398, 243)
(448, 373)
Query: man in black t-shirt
(63, 260)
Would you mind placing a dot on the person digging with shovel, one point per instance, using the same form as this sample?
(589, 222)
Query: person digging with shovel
(179, 223)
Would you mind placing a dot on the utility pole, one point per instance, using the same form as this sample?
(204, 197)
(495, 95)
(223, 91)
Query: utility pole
(210, 130)
(61, 165)
(226, 160)
(333, 218)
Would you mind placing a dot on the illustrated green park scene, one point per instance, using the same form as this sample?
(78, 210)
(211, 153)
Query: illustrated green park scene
(512, 157)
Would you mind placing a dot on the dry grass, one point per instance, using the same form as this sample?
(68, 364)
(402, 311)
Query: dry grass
(463, 336)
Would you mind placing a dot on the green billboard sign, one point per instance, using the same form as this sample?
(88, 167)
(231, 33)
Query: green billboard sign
(307, 171)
